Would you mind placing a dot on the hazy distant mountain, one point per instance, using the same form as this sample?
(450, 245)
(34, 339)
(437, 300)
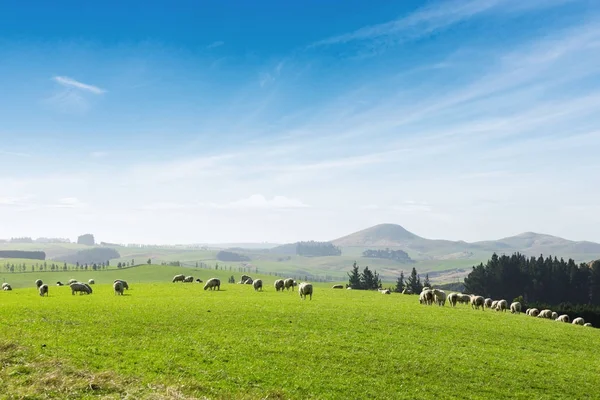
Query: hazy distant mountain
(391, 235)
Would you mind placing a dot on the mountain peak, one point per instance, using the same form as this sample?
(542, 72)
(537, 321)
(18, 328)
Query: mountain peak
(378, 235)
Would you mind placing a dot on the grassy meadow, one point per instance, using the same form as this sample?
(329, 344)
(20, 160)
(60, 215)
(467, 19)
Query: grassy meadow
(175, 341)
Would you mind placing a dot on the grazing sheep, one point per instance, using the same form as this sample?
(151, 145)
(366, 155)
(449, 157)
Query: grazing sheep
(439, 297)
(554, 315)
(578, 321)
(476, 302)
(188, 279)
(406, 291)
(463, 298)
(118, 288)
(89, 288)
(6, 286)
(426, 297)
(348, 288)
(59, 283)
(72, 281)
(545, 314)
(563, 318)
(213, 283)
(587, 324)
(515, 308)
(425, 288)
(43, 290)
(245, 278)
(453, 299)
(82, 288)
(502, 305)
(533, 312)
(257, 284)
(249, 281)
(91, 282)
(494, 304)
(124, 283)
(278, 285)
(386, 291)
(337, 287)
(488, 303)
(38, 283)
(305, 289)
(289, 283)
(199, 280)
(178, 278)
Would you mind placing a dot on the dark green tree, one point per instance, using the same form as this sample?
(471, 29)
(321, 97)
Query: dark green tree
(414, 282)
(400, 283)
(354, 280)
(426, 282)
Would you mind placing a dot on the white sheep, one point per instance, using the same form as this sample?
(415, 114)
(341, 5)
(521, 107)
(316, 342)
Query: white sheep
(464, 298)
(578, 321)
(453, 299)
(477, 301)
(426, 297)
(337, 287)
(289, 283)
(563, 318)
(554, 315)
(6, 286)
(305, 289)
(587, 324)
(439, 297)
(118, 288)
(257, 284)
(245, 278)
(91, 282)
(178, 278)
(502, 305)
(213, 283)
(278, 285)
(494, 304)
(188, 279)
(43, 289)
(38, 283)
(72, 281)
(82, 288)
(545, 314)
(533, 312)
(515, 308)
(488, 303)
(385, 291)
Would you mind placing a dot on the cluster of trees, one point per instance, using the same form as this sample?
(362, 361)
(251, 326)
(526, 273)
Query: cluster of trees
(126, 264)
(29, 255)
(21, 240)
(543, 280)
(317, 249)
(366, 280)
(412, 284)
(90, 256)
(224, 255)
(54, 267)
(395, 255)
(87, 239)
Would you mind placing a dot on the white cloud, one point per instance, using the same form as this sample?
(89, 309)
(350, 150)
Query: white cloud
(72, 83)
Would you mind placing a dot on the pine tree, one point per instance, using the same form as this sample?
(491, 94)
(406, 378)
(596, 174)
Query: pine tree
(414, 282)
(354, 277)
(426, 282)
(367, 279)
(400, 283)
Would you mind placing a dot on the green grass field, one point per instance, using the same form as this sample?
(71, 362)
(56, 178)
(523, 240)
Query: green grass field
(175, 341)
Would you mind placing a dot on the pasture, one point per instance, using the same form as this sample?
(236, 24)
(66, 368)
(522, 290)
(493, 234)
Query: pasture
(175, 341)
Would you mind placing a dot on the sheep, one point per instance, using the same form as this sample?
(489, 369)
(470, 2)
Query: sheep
(453, 299)
(502, 305)
(578, 321)
(587, 324)
(488, 303)
(118, 288)
(59, 283)
(545, 314)
(244, 278)
(257, 284)
(305, 289)
(278, 285)
(289, 283)
(89, 288)
(38, 283)
(426, 297)
(463, 298)
(178, 278)
(5, 284)
(72, 281)
(91, 282)
(348, 288)
(384, 291)
(494, 304)
(337, 287)
(43, 290)
(80, 287)
(425, 288)
(563, 318)
(476, 302)
(188, 279)
(515, 308)
(439, 297)
(198, 280)
(213, 283)
(554, 315)
(533, 312)
(6, 287)
(124, 283)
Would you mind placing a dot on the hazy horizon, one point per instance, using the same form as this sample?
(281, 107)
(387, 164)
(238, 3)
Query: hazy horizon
(275, 122)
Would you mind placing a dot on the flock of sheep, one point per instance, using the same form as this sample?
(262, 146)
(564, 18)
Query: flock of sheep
(437, 296)
(80, 287)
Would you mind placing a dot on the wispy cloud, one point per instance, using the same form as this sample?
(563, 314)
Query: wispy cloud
(216, 44)
(72, 83)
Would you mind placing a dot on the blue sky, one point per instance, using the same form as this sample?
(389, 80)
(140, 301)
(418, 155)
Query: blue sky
(181, 122)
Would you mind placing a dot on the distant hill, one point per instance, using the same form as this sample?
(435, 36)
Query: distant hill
(529, 243)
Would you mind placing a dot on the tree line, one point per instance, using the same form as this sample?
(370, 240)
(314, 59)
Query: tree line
(317, 249)
(30, 255)
(395, 255)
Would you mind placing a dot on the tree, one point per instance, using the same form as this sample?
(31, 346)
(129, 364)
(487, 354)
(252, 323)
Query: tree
(367, 279)
(132, 262)
(231, 279)
(149, 261)
(119, 265)
(414, 282)
(87, 239)
(400, 283)
(426, 282)
(354, 280)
